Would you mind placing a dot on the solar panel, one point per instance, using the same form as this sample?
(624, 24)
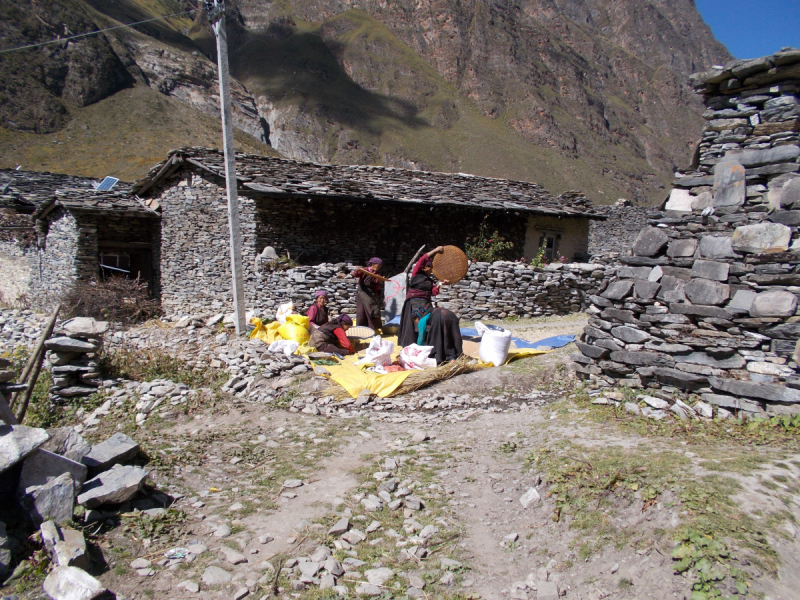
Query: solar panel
(107, 184)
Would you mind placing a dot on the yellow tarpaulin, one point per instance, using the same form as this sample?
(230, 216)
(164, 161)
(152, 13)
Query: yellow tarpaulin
(356, 379)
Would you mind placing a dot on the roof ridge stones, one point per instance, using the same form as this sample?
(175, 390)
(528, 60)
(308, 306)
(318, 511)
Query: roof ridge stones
(280, 177)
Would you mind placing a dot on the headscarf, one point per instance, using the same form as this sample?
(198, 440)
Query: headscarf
(420, 311)
(425, 262)
(319, 293)
(342, 320)
(374, 261)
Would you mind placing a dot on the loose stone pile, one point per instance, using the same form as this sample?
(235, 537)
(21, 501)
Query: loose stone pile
(59, 469)
(72, 357)
(19, 328)
(708, 300)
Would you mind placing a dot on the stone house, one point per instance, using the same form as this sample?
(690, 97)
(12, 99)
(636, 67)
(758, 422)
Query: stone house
(58, 228)
(336, 214)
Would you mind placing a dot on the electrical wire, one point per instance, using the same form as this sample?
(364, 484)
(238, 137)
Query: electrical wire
(80, 35)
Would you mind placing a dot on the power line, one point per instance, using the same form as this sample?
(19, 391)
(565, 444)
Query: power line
(80, 35)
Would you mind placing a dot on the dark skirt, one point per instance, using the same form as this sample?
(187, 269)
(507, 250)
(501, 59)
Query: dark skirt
(368, 310)
(444, 334)
(408, 331)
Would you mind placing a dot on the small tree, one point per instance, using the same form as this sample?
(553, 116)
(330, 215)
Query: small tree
(488, 247)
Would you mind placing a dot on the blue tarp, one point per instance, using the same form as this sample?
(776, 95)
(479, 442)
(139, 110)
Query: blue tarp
(552, 342)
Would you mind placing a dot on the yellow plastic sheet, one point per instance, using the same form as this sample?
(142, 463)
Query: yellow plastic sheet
(523, 353)
(356, 379)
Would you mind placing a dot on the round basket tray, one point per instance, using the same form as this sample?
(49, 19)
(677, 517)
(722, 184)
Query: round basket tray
(359, 332)
(450, 264)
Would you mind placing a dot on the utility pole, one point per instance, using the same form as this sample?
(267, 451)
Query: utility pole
(216, 15)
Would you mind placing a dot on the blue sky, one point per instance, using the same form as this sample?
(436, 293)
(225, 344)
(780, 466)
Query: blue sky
(753, 28)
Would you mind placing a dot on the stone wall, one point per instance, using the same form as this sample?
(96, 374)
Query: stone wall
(617, 233)
(708, 301)
(490, 291)
(15, 271)
(53, 260)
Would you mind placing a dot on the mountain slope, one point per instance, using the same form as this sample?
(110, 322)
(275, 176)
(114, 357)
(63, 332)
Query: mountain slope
(586, 94)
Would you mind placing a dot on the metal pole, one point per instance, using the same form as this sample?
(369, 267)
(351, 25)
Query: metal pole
(217, 18)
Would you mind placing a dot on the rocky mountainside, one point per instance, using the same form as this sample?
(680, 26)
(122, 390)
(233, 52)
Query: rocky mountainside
(587, 94)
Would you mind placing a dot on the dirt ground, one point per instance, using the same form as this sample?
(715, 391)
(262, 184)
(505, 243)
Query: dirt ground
(618, 502)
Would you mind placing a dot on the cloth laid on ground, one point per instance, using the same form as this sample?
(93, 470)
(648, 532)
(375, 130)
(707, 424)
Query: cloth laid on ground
(269, 333)
(519, 348)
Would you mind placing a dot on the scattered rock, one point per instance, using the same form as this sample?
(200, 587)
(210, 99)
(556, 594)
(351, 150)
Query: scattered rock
(213, 575)
(72, 583)
(17, 442)
(117, 449)
(117, 485)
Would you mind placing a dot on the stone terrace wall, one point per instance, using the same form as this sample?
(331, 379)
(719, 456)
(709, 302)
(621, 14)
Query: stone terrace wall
(490, 291)
(708, 302)
(617, 233)
(15, 268)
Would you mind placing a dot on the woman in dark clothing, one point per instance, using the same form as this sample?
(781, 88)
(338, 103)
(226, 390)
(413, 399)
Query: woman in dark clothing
(421, 289)
(332, 336)
(369, 296)
(318, 313)
(443, 333)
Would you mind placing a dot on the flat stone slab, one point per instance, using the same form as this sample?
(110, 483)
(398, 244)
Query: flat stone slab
(66, 546)
(618, 290)
(679, 201)
(17, 442)
(729, 183)
(709, 269)
(649, 242)
(712, 246)
(55, 500)
(68, 344)
(761, 391)
(116, 449)
(72, 583)
(707, 292)
(761, 237)
(682, 248)
(41, 466)
(773, 304)
(215, 576)
(112, 487)
(84, 327)
(67, 442)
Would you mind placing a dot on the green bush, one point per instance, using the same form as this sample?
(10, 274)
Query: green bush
(488, 246)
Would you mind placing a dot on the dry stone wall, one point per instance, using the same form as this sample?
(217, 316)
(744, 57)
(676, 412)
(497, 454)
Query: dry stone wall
(708, 301)
(615, 235)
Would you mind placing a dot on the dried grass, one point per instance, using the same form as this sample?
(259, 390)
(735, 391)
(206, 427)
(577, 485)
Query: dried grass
(116, 299)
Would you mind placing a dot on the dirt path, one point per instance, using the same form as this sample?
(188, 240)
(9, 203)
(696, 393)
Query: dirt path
(434, 510)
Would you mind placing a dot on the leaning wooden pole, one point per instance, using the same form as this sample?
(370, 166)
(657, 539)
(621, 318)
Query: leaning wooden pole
(413, 261)
(24, 397)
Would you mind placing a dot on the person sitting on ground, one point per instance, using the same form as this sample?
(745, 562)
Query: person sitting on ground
(438, 328)
(332, 336)
(369, 296)
(421, 288)
(318, 313)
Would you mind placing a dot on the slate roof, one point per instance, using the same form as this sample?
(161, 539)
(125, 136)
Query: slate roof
(90, 201)
(35, 187)
(281, 178)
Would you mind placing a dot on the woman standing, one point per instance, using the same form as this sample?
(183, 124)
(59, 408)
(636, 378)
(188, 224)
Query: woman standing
(332, 337)
(369, 296)
(421, 288)
(318, 313)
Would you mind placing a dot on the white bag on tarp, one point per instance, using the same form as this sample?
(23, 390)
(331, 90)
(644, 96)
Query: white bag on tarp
(379, 352)
(416, 357)
(284, 310)
(494, 344)
(288, 347)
